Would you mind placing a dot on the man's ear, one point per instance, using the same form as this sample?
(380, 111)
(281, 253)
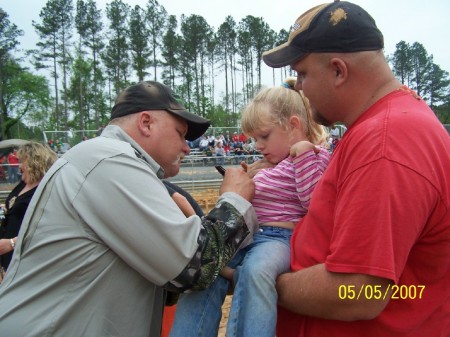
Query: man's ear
(145, 122)
(339, 67)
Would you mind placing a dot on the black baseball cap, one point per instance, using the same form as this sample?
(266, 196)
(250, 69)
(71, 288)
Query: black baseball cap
(151, 95)
(340, 27)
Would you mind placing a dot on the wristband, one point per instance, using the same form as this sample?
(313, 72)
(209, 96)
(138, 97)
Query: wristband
(13, 244)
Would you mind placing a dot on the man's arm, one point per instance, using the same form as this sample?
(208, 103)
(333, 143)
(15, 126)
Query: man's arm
(227, 228)
(314, 291)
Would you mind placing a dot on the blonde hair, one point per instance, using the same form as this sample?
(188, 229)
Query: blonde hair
(37, 158)
(282, 103)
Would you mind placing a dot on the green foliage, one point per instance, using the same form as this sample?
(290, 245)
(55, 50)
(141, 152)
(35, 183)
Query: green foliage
(90, 26)
(170, 46)
(116, 56)
(9, 33)
(113, 49)
(8, 42)
(53, 49)
(26, 98)
(139, 35)
(413, 67)
(156, 21)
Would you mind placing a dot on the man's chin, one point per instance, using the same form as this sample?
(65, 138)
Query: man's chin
(319, 119)
(172, 172)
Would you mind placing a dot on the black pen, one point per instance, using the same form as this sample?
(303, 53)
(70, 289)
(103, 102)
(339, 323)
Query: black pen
(220, 169)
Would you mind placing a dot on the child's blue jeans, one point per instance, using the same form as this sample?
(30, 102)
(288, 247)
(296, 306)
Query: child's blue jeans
(254, 305)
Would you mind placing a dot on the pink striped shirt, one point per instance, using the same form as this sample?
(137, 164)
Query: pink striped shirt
(283, 193)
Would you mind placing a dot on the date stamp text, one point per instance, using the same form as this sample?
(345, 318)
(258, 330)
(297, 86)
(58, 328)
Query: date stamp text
(376, 292)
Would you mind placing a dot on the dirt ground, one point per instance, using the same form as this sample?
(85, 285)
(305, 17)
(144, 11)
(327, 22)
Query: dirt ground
(223, 322)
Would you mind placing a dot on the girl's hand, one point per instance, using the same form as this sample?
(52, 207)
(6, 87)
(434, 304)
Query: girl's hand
(183, 204)
(253, 168)
(302, 147)
(5, 246)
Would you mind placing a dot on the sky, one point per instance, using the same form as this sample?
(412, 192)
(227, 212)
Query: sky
(426, 22)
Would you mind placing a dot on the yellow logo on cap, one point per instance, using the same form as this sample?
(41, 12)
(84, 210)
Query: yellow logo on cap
(337, 16)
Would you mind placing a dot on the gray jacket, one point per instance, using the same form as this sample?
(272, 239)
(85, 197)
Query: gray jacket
(101, 241)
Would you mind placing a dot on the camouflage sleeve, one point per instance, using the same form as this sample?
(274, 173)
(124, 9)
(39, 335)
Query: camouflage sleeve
(224, 231)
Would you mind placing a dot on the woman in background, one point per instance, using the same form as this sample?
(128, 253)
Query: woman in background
(35, 160)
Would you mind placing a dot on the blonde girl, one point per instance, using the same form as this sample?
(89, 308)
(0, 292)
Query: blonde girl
(279, 120)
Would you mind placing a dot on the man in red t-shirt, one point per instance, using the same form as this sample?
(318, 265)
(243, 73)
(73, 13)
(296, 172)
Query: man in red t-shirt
(371, 257)
(13, 168)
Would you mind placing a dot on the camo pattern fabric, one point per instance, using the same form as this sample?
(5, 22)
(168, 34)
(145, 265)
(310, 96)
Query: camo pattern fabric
(223, 232)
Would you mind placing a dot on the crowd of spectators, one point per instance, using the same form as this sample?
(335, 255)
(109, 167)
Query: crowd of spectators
(225, 145)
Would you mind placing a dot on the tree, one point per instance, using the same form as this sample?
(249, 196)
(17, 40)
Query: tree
(89, 25)
(262, 38)
(156, 21)
(438, 85)
(26, 97)
(54, 45)
(402, 63)
(196, 34)
(246, 59)
(170, 45)
(280, 38)
(80, 92)
(226, 38)
(413, 67)
(211, 50)
(139, 35)
(421, 67)
(8, 42)
(116, 56)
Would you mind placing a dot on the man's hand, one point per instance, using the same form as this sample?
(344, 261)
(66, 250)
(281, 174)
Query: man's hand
(237, 181)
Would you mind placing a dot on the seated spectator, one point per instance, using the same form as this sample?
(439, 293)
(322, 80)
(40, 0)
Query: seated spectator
(211, 141)
(239, 154)
(208, 153)
(51, 144)
(249, 146)
(227, 138)
(203, 145)
(219, 152)
(334, 142)
(194, 143)
(334, 132)
(235, 138)
(242, 138)
(221, 138)
(227, 149)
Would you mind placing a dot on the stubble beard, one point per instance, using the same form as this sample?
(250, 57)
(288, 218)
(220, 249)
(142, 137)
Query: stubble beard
(320, 119)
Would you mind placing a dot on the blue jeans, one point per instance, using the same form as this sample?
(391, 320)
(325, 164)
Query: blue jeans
(13, 174)
(254, 305)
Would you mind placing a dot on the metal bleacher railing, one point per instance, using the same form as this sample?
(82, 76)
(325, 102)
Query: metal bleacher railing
(197, 172)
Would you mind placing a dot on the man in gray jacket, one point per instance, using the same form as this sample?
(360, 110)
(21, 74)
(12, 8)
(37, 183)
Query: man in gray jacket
(102, 239)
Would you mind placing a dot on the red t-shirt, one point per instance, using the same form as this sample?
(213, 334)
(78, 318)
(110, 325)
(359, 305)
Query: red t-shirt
(382, 208)
(13, 160)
